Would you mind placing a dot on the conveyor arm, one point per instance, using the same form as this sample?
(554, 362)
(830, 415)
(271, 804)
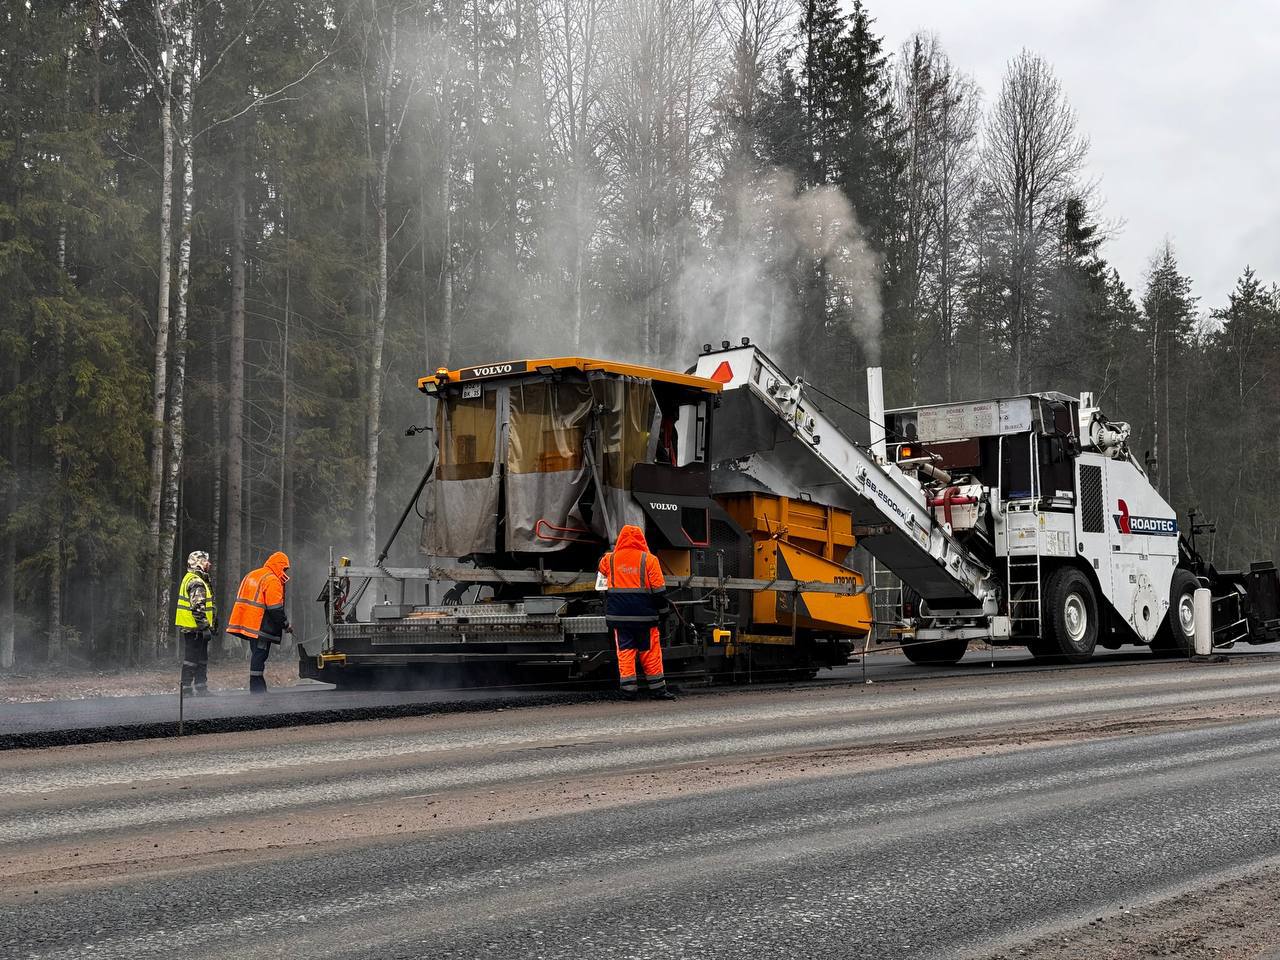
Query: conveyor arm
(773, 436)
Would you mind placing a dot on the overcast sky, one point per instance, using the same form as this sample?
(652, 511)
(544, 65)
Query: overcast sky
(1181, 103)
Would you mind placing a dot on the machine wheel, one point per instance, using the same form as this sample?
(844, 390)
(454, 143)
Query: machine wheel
(933, 653)
(1070, 617)
(936, 653)
(1177, 635)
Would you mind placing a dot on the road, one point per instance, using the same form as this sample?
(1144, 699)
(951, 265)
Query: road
(978, 815)
(90, 719)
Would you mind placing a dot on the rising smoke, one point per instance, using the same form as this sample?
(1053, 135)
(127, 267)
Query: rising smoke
(743, 287)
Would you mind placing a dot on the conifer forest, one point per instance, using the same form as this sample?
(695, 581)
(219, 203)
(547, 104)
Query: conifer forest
(234, 233)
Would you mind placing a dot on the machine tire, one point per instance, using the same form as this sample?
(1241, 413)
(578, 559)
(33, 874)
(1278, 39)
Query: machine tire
(1070, 618)
(934, 653)
(1177, 634)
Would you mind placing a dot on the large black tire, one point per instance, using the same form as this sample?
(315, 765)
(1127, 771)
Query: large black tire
(1177, 634)
(936, 653)
(1069, 617)
(932, 653)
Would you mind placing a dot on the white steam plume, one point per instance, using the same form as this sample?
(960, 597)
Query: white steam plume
(742, 287)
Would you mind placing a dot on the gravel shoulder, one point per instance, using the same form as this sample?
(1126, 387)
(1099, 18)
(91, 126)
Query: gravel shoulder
(229, 674)
(1231, 920)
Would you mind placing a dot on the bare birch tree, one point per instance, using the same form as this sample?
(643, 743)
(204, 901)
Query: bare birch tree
(394, 92)
(918, 91)
(175, 424)
(8, 620)
(438, 50)
(1031, 158)
(165, 13)
(233, 563)
(939, 111)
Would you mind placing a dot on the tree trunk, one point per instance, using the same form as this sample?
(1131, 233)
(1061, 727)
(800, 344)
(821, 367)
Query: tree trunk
(373, 418)
(1154, 394)
(446, 263)
(578, 257)
(282, 515)
(286, 430)
(1168, 427)
(216, 462)
(10, 563)
(160, 384)
(422, 258)
(173, 470)
(234, 563)
(57, 546)
(446, 192)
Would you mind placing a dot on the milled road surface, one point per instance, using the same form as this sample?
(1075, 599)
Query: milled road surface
(985, 814)
(58, 722)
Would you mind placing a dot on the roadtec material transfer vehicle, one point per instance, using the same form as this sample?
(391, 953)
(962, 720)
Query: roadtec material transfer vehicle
(538, 464)
(1022, 521)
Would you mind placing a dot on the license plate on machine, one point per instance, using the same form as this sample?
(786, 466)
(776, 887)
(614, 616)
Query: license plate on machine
(471, 390)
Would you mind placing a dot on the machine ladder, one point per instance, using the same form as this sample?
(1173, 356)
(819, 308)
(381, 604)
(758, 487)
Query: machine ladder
(886, 601)
(1024, 579)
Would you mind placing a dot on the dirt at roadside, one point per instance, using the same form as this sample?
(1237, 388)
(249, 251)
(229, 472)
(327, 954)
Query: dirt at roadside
(1235, 920)
(233, 674)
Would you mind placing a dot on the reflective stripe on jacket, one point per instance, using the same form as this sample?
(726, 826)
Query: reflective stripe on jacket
(194, 613)
(633, 580)
(259, 611)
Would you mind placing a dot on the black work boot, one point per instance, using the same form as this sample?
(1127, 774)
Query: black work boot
(662, 693)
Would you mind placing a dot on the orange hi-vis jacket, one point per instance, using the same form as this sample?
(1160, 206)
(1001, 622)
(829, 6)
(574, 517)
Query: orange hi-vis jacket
(259, 611)
(633, 578)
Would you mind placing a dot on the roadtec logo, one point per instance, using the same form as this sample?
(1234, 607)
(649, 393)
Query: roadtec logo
(1153, 526)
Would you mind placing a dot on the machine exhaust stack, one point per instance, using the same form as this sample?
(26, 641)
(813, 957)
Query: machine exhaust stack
(875, 411)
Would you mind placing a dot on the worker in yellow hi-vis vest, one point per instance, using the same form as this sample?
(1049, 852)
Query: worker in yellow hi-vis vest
(196, 621)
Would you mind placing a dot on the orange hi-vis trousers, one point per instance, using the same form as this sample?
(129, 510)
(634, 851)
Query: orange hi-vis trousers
(650, 660)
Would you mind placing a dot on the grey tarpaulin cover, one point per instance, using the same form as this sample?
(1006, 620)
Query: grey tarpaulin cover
(462, 495)
(537, 429)
(623, 441)
(546, 470)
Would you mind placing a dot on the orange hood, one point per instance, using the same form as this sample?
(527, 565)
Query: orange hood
(278, 563)
(631, 537)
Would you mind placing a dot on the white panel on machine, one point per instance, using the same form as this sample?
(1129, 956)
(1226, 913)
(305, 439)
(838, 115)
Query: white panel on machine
(985, 419)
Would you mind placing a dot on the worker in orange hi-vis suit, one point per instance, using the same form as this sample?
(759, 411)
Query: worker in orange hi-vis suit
(635, 595)
(259, 616)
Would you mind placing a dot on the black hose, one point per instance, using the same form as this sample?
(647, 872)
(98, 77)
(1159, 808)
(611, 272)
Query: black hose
(386, 548)
(404, 515)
